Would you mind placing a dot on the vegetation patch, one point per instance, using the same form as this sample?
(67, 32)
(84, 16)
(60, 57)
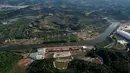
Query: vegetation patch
(7, 61)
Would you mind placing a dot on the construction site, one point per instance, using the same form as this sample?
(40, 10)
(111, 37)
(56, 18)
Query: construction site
(63, 55)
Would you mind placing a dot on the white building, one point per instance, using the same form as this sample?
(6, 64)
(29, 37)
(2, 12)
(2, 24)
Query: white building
(123, 42)
(39, 55)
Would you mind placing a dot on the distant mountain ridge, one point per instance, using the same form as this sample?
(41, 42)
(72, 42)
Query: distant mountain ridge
(20, 2)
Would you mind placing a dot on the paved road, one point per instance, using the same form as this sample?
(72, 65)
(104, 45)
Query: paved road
(100, 39)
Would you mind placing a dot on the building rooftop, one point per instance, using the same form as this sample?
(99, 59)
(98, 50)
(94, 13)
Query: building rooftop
(123, 34)
(25, 62)
(123, 42)
(61, 54)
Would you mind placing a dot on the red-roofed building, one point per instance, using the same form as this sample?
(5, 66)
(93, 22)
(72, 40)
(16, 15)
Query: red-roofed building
(25, 62)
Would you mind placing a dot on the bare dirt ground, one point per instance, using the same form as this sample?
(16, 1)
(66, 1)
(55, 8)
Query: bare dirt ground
(18, 69)
(24, 41)
(87, 35)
